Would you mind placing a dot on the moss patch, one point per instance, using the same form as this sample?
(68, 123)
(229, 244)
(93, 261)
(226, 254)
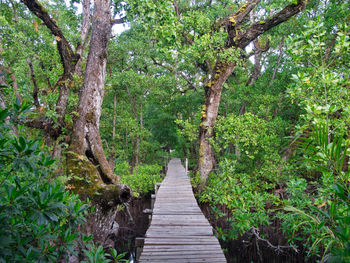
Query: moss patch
(86, 181)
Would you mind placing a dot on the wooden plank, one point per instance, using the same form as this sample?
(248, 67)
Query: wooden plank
(182, 248)
(209, 260)
(178, 256)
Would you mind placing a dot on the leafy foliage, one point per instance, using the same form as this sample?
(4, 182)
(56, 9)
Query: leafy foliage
(244, 183)
(326, 218)
(321, 214)
(144, 178)
(38, 216)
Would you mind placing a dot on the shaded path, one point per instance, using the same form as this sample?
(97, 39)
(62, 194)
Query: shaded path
(179, 232)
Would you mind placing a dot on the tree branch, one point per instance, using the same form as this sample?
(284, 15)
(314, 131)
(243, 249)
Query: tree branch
(65, 50)
(261, 27)
(233, 22)
(46, 125)
(238, 17)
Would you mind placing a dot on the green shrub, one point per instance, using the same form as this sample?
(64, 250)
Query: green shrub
(38, 218)
(323, 215)
(143, 179)
(238, 197)
(122, 168)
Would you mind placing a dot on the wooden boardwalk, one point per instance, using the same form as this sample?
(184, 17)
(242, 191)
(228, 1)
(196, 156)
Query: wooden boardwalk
(179, 232)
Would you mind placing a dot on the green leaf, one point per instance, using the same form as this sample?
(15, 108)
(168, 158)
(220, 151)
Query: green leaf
(22, 143)
(52, 216)
(3, 114)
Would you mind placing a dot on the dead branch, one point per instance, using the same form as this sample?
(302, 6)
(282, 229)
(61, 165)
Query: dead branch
(278, 249)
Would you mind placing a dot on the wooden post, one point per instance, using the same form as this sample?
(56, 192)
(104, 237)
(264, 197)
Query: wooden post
(153, 199)
(186, 169)
(149, 213)
(156, 188)
(139, 242)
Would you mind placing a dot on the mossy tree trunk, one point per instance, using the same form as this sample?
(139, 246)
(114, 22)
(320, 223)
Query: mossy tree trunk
(213, 91)
(86, 145)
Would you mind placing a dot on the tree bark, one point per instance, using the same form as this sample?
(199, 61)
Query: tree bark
(209, 115)
(86, 140)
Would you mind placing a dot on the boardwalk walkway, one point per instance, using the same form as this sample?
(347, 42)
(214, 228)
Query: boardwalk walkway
(179, 232)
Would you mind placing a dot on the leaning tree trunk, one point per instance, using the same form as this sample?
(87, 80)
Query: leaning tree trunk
(209, 115)
(86, 145)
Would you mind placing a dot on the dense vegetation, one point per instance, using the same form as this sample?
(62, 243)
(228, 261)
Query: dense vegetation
(255, 93)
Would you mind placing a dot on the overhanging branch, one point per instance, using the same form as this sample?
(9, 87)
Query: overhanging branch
(65, 50)
(261, 27)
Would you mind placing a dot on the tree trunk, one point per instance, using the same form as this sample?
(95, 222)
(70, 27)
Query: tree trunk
(223, 70)
(209, 115)
(84, 35)
(86, 141)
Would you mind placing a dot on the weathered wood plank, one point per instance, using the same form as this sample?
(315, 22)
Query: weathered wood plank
(179, 232)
